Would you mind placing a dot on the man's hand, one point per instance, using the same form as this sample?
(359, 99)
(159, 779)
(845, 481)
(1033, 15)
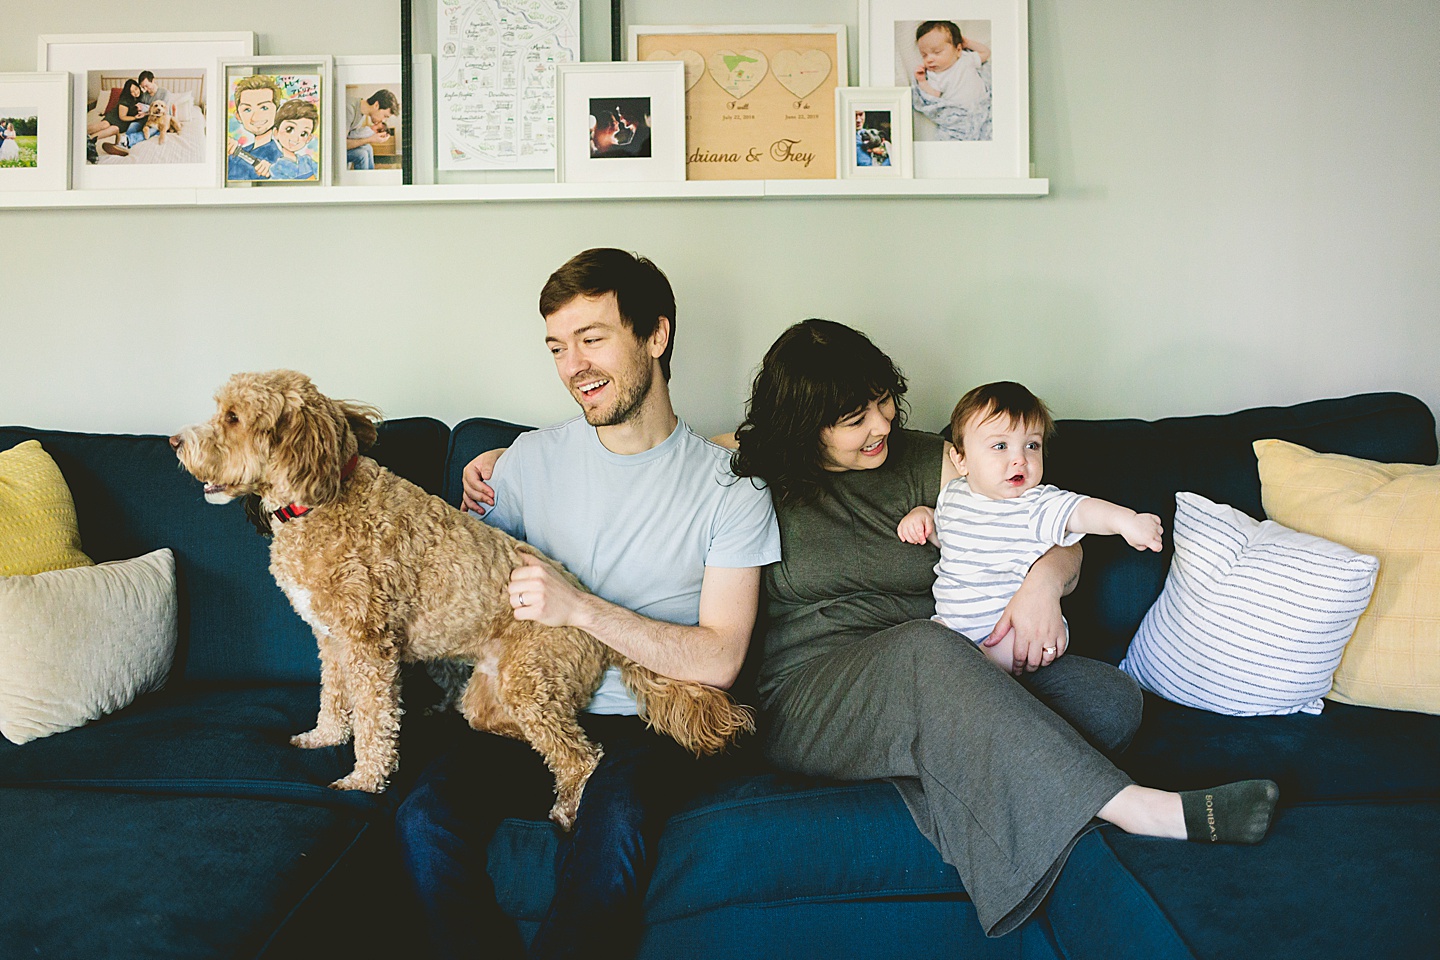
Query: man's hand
(1143, 531)
(538, 593)
(479, 496)
(917, 526)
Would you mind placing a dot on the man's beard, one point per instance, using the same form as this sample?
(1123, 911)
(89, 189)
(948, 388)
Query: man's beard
(625, 403)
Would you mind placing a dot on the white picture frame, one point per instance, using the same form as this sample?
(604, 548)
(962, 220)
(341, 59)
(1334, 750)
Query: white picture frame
(85, 55)
(873, 123)
(43, 157)
(495, 69)
(959, 145)
(319, 150)
(620, 92)
(419, 113)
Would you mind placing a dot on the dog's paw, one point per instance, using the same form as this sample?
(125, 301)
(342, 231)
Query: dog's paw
(357, 782)
(563, 813)
(318, 738)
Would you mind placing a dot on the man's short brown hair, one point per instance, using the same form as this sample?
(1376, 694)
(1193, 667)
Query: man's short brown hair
(1004, 398)
(642, 293)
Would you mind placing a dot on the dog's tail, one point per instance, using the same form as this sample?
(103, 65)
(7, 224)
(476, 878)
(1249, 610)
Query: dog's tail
(701, 719)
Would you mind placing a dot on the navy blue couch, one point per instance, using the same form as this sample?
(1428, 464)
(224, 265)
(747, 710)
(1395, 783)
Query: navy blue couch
(186, 826)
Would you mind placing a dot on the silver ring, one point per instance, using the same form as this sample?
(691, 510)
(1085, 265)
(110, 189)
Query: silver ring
(522, 599)
(1048, 650)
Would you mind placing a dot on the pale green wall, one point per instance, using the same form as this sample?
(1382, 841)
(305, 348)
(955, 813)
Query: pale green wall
(1245, 209)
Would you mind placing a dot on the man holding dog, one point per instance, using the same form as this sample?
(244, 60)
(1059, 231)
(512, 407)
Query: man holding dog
(648, 516)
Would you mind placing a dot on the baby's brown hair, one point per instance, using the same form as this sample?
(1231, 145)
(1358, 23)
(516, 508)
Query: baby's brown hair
(1003, 398)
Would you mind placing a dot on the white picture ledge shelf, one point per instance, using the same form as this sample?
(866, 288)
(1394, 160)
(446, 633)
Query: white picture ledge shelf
(494, 192)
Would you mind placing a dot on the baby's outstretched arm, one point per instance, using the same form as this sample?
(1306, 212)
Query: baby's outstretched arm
(1141, 530)
(978, 47)
(918, 526)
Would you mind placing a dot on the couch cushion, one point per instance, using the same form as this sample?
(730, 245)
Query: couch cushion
(1330, 880)
(755, 839)
(1393, 511)
(468, 440)
(81, 643)
(1142, 465)
(1346, 753)
(38, 529)
(197, 741)
(101, 874)
(132, 497)
(1254, 616)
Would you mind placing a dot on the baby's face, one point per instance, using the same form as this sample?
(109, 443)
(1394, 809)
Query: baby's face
(1002, 460)
(936, 50)
(294, 134)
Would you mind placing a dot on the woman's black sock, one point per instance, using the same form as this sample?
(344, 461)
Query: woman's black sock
(1234, 813)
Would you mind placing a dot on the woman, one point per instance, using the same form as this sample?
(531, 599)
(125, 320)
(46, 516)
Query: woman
(860, 683)
(9, 145)
(127, 110)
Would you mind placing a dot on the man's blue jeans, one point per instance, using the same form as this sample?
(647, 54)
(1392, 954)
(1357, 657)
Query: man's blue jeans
(361, 157)
(446, 823)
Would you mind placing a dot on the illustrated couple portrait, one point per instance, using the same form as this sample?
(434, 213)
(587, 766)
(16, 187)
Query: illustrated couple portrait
(272, 136)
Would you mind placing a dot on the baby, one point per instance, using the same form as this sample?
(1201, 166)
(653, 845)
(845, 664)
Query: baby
(949, 87)
(995, 519)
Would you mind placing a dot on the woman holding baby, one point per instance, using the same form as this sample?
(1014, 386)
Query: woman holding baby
(1003, 773)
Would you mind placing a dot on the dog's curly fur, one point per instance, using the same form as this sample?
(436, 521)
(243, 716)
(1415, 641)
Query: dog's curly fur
(158, 118)
(384, 573)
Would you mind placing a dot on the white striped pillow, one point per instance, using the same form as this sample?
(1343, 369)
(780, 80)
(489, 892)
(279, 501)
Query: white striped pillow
(1254, 616)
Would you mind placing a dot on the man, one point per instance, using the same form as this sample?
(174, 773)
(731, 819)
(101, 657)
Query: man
(150, 91)
(648, 516)
(365, 125)
(257, 100)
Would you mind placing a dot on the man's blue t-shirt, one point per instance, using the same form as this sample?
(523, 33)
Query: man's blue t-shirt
(637, 530)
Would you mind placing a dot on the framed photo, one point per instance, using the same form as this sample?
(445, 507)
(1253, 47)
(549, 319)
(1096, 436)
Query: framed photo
(872, 133)
(966, 63)
(620, 122)
(34, 131)
(117, 77)
(276, 126)
(759, 100)
(370, 118)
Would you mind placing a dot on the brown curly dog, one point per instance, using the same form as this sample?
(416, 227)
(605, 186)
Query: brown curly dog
(384, 573)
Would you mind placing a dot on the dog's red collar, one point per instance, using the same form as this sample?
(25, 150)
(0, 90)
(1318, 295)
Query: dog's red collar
(289, 512)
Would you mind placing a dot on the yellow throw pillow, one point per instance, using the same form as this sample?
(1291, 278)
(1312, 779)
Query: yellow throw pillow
(1390, 511)
(38, 529)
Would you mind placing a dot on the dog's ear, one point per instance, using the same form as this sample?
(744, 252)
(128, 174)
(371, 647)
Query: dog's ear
(307, 446)
(363, 420)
